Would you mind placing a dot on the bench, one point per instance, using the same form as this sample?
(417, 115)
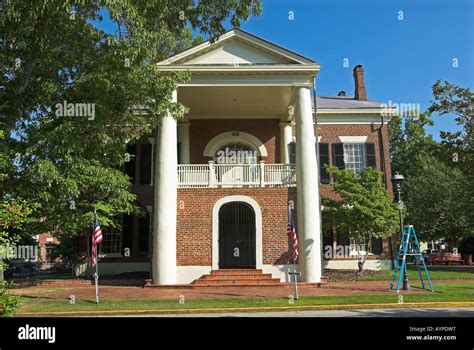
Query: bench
(446, 258)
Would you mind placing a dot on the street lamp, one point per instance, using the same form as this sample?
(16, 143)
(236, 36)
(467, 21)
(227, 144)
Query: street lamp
(398, 182)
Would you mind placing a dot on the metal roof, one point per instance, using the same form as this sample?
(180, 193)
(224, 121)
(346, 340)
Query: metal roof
(343, 102)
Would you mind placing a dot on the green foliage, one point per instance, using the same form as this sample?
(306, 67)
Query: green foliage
(439, 190)
(466, 245)
(365, 210)
(434, 201)
(409, 143)
(52, 51)
(8, 302)
(13, 214)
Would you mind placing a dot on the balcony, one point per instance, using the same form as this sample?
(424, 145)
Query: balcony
(236, 175)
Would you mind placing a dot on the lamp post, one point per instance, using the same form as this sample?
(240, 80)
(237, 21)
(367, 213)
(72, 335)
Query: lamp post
(398, 182)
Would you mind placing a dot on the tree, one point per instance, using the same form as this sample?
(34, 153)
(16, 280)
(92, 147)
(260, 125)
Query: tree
(54, 54)
(457, 148)
(439, 191)
(364, 210)
(435, 202)
(409, 143)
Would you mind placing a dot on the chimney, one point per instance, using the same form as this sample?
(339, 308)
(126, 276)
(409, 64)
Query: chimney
(341, 93)
(360, 92)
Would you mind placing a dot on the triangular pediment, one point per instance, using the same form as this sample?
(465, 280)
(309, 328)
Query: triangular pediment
(237, 47)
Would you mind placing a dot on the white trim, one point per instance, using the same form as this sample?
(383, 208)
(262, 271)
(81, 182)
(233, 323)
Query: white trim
(227, 137)
(239, 35)
(258, 228)
(353, 139)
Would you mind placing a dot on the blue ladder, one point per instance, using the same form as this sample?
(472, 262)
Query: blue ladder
(409, 246)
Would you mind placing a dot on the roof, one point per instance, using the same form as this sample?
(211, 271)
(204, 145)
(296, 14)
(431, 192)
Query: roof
(237, 42)
(344, 102)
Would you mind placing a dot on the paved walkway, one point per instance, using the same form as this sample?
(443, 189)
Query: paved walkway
(136, 293)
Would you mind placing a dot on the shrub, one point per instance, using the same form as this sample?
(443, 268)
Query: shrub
(8, 302)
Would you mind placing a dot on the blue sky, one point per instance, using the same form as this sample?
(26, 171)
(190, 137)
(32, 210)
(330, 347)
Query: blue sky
(402, 59)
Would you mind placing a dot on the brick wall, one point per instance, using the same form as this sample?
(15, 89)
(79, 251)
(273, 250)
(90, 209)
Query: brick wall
(194, 222)
(330, 134)
(266, 130)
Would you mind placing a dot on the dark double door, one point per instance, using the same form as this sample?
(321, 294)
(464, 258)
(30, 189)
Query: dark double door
(237, 236)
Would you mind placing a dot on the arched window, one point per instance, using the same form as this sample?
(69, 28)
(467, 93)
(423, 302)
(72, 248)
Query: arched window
(236, 153)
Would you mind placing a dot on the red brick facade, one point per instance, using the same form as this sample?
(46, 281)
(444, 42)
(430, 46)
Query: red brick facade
(194, 213)
(194, 222)
(266, 130)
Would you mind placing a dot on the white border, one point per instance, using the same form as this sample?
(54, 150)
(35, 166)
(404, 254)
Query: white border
(215, 228)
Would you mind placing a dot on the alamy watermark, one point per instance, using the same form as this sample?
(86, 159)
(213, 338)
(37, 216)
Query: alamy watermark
(69, 109)
(402, 109)
(228, 156)
(23, 252)
(344, 251)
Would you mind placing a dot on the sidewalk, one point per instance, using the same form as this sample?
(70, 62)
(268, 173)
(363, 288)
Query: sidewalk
(139, 293)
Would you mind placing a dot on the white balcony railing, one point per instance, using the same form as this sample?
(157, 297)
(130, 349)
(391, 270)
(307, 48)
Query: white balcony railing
(236, 175)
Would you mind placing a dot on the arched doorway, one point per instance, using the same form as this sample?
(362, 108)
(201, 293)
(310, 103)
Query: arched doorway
(237, 246)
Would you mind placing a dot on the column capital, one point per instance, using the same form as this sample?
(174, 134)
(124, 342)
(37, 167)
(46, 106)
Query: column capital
(286, 124)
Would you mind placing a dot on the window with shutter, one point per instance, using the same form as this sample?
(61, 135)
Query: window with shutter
(338, 155)
(145, 163)
(324, 160)
(129, 167)
(144, 234)
(127, 231)
(370, 160)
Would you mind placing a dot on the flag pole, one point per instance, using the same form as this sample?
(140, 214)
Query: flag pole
(96, 276)
(94, 244)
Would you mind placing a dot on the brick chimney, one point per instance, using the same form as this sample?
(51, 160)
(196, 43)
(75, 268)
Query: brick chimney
(342, 93)
(360, 92)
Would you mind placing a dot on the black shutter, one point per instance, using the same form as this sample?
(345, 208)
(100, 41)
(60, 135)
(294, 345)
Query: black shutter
(338, 155)
(145, 163)
(144, 234)
(179, 152)
(130, 165)
(324, 160)
(127, 232)
(370, 155)
(292, 150)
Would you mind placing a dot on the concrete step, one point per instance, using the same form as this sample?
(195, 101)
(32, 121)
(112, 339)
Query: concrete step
(237, 271)
(263, 276)
(237, 281)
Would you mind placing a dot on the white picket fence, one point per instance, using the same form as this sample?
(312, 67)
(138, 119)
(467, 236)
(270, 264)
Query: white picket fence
(236, 175)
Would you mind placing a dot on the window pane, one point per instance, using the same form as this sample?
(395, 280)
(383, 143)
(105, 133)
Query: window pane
(354, 157)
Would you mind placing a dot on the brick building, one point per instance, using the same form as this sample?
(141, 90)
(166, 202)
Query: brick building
(217, 185)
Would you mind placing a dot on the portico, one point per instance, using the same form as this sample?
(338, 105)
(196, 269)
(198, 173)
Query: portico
(247, 94)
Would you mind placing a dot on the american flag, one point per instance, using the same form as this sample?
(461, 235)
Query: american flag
(96, 238)
(291, 232)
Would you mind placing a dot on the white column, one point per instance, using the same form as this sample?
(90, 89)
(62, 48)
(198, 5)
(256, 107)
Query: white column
(183, 138)
(307, 189)
(286, 136)
(165, 195)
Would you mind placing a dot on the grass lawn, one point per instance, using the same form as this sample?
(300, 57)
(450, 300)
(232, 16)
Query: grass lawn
(444, 292)
(436, 273)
